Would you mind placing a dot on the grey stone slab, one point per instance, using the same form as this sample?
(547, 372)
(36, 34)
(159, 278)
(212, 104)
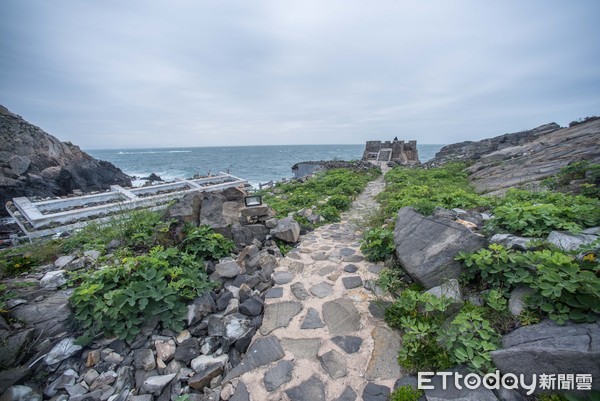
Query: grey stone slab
(299, 291)
(334, 364)
(278, 375)
(262, 352)
(551, 349)
(375, 392)
(347, 395)
(319, 255)
(341, 316)
(275, 292)
(377, 308)
(326, 270)
(312, 320)
(303, 348)
(352, 282)
(241, 393)
(350, 344)
(384, 358)
(353, 258)
(282, 277)
(321, 290)
(279, 315)
(350, 268)
(376, 269)
(312, 389)
(347, 251)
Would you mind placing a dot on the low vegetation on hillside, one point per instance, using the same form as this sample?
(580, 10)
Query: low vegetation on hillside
(327, 194)
(143, 274)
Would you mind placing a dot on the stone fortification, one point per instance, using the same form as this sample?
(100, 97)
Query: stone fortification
(392, 151)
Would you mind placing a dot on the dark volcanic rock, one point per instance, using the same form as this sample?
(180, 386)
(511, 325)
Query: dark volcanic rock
(34, 163)
(426, 246)
(551, 349)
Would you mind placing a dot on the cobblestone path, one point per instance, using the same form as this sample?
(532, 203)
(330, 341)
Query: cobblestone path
(323, 336)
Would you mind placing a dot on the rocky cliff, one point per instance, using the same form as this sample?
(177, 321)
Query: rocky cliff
(524, 158)
(34, 163)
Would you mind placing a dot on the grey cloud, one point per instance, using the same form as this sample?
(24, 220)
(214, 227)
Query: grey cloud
(189, 73)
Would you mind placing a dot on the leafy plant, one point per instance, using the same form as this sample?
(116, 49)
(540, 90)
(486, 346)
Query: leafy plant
(470, 339)
(536, 214)
(564, 287)
(496, 266)
(377, 244)
(391, 279)
(118, 300)
(419, 317)
(205, 243)
(406, 393)
(496, 301)
(424, 189)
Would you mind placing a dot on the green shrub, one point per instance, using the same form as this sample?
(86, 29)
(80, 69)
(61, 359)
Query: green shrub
(329, 213)
(406, 393)
(118, 300)
(535, 214)
(564, 287)
(332, 191)
(419, 317)
(339, 202)
(203, 242)
(391, 279)
(377, 244)
(424, 189)
(470, 338)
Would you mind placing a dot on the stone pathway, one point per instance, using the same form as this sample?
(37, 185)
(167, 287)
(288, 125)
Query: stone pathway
(323, 336)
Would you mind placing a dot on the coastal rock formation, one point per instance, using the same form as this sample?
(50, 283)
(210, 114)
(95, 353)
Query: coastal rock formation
(524, 158)
(34, 163)
(469, 150)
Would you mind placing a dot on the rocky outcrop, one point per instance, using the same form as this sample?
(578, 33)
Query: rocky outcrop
(548, 348)
(469, 150)
(426, 246)
(34, 163)
(524, 158)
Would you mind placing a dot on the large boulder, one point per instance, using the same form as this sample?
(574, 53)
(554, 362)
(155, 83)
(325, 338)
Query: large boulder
(548, 348)
(287, 230)
(426, 246)
(218, 211)
(186, 209)
(34, 163)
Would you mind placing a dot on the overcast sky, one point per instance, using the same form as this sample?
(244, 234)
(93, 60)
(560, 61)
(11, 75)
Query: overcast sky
(113, 73)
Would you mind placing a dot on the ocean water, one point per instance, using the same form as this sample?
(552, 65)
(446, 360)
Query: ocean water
(257, 164)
